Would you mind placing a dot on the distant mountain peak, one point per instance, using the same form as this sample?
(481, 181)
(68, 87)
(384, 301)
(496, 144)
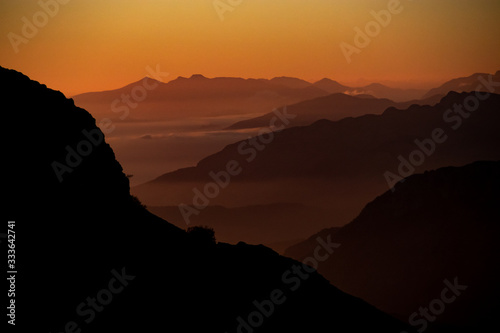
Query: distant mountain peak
(285, 77)
(323, 80)
(291, 82)
(375, 85)
(197, 77)
(149, 79)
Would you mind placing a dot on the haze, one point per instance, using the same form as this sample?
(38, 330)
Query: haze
(100, 45)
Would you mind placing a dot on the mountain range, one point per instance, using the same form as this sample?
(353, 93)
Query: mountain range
(176, 124)
(332, 107)
(371, 99)
(475, 82)
(374, 89)
(428, 242)
(198, 95)
(91, 258)
(150, 99)
(337, 165)
(193, 97)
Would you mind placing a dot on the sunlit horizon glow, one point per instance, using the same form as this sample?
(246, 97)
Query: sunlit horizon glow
(102, 45)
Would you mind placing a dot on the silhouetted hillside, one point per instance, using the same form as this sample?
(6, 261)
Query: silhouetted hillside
(332, 107)
(337, 165)
(439, 225)
(474, 82)
(90, 257)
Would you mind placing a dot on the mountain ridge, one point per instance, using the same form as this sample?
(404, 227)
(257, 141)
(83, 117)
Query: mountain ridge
(85, 229)
(338, 166)
(391, 112)
(440, 224)
(332, 107)
(467, 83)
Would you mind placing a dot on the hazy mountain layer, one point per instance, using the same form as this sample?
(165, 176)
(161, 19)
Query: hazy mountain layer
(336, 165)
(332, 107)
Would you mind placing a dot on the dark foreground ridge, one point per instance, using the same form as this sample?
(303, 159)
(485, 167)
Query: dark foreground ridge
(90, 258)
(439, 225)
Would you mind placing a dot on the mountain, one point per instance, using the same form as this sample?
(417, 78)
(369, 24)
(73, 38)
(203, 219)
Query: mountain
(374, 89)
(183, 119)
(290, 82)
(436, 226)
(475, 82)
(150, 99)
(397, 94)
(331, 86)
(91, 258)
(332, 107)
(195, 96)
(337, 165)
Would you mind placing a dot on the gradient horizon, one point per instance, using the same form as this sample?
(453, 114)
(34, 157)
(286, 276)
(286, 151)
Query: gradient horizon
(101, 45)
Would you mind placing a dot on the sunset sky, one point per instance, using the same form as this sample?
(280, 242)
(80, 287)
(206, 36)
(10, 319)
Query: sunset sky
(90, 45)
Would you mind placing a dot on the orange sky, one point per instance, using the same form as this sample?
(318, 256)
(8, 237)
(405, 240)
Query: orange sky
(89, 45)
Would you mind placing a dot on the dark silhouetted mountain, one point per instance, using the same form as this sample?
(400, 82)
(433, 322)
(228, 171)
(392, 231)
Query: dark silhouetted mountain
(332, 107)
(439, 225)
(474, 82)
(90, 257)
(196, 96)
(337, 165)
